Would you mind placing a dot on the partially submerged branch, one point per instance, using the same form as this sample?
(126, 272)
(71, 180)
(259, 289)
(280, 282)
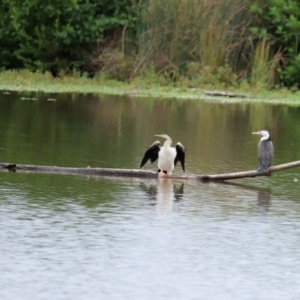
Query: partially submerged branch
(224, 94)
(137, 173)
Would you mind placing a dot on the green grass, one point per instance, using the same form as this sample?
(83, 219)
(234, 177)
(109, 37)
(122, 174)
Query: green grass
(22, 81)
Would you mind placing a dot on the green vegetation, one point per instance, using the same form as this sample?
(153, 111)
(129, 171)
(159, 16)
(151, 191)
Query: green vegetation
(280, 27)
(219, 44)
(194, 39)
(54, 35)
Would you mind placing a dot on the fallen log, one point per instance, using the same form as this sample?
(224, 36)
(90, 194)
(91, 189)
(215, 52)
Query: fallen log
(137, 173)
(225, 94)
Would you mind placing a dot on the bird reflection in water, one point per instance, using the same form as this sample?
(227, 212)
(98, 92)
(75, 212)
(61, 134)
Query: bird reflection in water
(263, 201)
(163, 193)
(263, 196)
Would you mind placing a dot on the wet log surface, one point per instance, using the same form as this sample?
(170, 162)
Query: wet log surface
(137, 173)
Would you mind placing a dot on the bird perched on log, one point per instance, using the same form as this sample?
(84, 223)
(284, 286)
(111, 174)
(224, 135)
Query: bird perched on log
(265, 150)
(167, 156)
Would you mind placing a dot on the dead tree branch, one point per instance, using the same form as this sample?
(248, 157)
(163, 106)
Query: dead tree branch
(137, 173)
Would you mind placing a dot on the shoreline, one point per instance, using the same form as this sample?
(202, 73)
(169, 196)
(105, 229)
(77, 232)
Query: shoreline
(25, 81)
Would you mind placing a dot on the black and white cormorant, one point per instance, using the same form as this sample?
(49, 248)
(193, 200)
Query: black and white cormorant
(167, 156)
(265, 150)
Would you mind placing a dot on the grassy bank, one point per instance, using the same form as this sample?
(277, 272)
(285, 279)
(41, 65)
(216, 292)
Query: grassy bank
(25, 81)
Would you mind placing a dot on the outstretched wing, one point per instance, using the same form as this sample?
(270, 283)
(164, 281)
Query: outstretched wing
(180, 155)
(151, 153)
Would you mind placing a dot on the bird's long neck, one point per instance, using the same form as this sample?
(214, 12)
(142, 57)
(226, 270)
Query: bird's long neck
(168, 142)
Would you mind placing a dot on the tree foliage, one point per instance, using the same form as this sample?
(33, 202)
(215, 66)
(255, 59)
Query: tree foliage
(280, 24)
(52, 34)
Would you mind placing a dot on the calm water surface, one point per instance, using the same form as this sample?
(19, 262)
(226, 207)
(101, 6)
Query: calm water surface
(76, 237)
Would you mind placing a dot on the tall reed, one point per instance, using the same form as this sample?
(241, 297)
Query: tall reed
(172, 33)
(264, 65)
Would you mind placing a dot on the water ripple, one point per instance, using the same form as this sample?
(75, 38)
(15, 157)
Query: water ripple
(149, 239)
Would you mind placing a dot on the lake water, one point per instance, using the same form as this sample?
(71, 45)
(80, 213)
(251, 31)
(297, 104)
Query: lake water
(80, 237)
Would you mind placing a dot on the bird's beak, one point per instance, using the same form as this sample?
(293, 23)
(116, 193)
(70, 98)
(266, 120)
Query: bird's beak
(158, 135)
(258, 132)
